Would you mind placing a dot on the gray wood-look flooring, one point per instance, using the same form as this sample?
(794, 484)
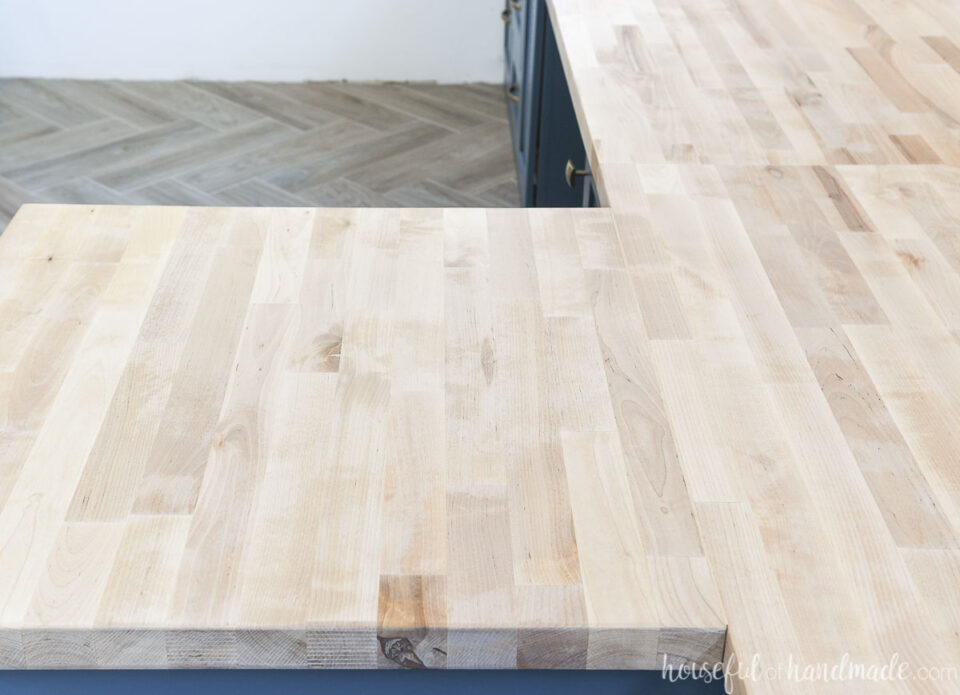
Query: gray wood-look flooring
(205, 143)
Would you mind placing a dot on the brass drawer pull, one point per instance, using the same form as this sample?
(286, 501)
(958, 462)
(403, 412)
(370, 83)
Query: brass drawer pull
(570, 173)
(513, 93)
(505, 16)
(515, 5)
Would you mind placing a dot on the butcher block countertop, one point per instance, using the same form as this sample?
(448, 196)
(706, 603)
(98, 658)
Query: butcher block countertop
(336, 438)
(718, 419)
(784, 178)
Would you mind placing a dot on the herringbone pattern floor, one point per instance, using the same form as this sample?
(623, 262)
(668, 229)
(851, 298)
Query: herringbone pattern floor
(196, 143)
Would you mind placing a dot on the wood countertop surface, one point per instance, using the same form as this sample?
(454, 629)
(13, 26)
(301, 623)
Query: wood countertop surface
(336, 438)
(577, 438)
(784, 177)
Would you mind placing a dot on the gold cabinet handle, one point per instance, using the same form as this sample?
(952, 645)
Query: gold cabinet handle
(513, 93)
(516, 5)
(570, 173)
(505, 16)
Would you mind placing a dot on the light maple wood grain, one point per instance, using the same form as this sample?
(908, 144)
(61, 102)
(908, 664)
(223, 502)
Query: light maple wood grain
(336, 438)
(784, 179)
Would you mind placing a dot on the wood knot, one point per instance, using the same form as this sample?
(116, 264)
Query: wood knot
(911, 259)
(807, 98)
(400, 651)
(488, 362)
(322, 355)
(330, 356)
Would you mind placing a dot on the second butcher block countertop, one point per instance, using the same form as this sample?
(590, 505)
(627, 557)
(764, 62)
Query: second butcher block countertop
(784, 178)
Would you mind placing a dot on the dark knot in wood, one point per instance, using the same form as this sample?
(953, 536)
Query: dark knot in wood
(400, 651)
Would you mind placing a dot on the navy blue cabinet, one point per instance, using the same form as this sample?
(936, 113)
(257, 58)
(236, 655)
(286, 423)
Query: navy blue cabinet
(322, 682)
(560, 152)
(548, 150)
(523, 32)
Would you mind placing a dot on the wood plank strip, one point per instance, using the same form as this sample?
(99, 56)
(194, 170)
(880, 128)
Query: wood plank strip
(206, 591)
(175, 467)
(654, 472)
(141, 579)
(118, 459)
(914, 518)
(611, 551)
(67, 436)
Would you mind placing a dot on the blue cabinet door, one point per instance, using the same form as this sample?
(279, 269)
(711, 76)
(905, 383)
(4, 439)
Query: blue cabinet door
(523, 46)
(543, 123)
(559, 135)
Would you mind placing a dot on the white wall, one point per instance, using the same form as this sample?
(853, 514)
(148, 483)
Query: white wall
(280, 40)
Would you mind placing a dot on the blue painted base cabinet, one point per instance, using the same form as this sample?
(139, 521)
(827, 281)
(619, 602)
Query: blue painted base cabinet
(319, 682)
(543, 122)
(522, 78)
